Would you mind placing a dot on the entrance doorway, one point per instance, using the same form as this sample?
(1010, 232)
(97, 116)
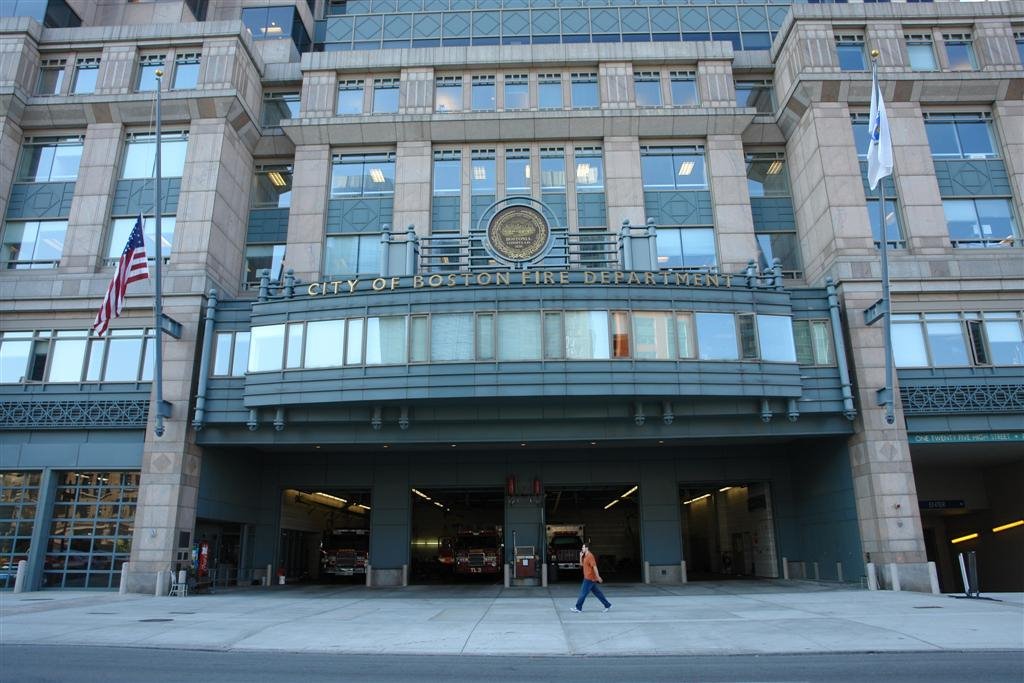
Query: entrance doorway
(457, 535)
(607, 518)
(728, 531)
(325, 535)
(224, 549)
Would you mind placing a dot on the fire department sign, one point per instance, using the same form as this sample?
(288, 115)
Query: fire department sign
(518, 234)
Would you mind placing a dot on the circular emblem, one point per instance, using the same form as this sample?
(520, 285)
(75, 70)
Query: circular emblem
(518, 233)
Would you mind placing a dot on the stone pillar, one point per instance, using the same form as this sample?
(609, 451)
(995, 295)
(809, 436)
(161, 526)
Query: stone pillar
(810, 49)
(887, 38)
(86, 240)
(308, 214)
(413, 168)
(924, 222)
(213, 207)
(117, 70)
(623, 183)
(734, 225)
(615, 80)
(828, 194)
(416, 91)
(994, 44)
(1008, 116)
(11, 137)
(319, 94)
(715, 85)
(226, 65)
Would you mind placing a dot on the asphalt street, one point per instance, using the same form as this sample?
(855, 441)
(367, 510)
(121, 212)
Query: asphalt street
(53, 664)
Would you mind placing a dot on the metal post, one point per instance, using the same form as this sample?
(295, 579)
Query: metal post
(837, 340)
(162, 409)
(204, 361)
(885, 397)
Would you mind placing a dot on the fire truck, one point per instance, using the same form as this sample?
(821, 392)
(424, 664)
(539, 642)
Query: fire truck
(564, 543)
(478, 552)
(344, 552)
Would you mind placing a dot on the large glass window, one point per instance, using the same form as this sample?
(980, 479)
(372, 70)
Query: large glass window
(324, 344)
(960, 136)
(386, 340)
(686, 248)
(447, 173)
(51, 159)
(91, 534)
(585, 91)
(758, 94)
(350, 98)
(1005, 338)
(549, 91)
(958, 339)
(276, 23)
(552, 169)
(586, 335)
(186, 71)
(861, 135)
(146, 80)
(123, 355)
(716, 336)
(893, 230)
(448, 93)
(363, 174)
(385, 95)
(272, 186)
(813, 342)
(517, 171)
(684, 89)
(33, 244)
(850, 51)
(259, 257)
(519, 336)
(921, 52)
(352, 255)
(980, 222)
(19, 494)
(231, 354)
(278, 106)
(517, 92)
(451, 337)
(87, 70)
(140, 155)
(51, 77)
(483, 179)
(120, 228)
(767, 175)
(673, 168)
(589, 169)
(647, 85)
(652, 335)
(266, 348)
(959, 51)
(775, 338)
(483, 97)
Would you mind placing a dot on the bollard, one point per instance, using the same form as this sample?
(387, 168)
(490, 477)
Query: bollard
(544, 575)
(785, 568)
(894, 576)
(122, 586)
(405, 575)
(163, 582)
(369, 576)
(506, 575)
(933, 579)
(647, 571)
(872, 576)
(839, 572)
(270, 572)
(817, 574)
(682, 570)
(20, 577)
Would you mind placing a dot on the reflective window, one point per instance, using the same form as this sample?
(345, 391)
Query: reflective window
(673, 168)
(552, 169)
(324, 343)
(266, 348)
(272, 186)
(586, 335)
(448, 93)
(32, 244)
(716, 336)
(352, 255)
(686, 336)
(276, 23)
(483, 176)
(1020, 46)
(893, 231)
(278, 106)
(813, 342)
(686, 247)
(758, 94)
(684, 89)
(259, 257)
(350, 98)
(767, 175)
(960, 136)
(549, 91)
(53, 159)
(451, 337)
(87, 70)
(186, 71)
(946, 340)
(385, 95)
(584, 91)
(386, 340)
(589, 169)
(354, 341)
(861, 135)
(120, 228)
(146, 81)
(447, 173)
(363, 174)
(51, 77)
(67, 356)
(652, 335)
(980, 223)
(122, 355)
(921, 52)
(19, 494)
(775, 337)
(959, 51)
(482, 95)
(519, 336)
(1005, 338)
(850, 51)
(140, 155)
(517, 92)
(647, 85)
(517, 171)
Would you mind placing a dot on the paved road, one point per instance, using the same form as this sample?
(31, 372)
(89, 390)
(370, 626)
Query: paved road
(46, 664)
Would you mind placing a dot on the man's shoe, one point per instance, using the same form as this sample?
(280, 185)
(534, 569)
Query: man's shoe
(607, 608)
(576, 610)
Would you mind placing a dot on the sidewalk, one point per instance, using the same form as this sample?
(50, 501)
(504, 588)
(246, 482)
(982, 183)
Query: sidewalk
(732, 617)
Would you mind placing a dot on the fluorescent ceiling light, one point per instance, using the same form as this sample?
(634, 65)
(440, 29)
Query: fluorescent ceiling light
(724, 489)
(421, 494)
(479, 173)
(527, 170)
(277, 179)
(968, 537)
(611, 503)
(327, 495)
(694, 500)
(775, 168)
(686, 168)
(360, 505)
(630, 492)
(377, 175)
(1004, 527)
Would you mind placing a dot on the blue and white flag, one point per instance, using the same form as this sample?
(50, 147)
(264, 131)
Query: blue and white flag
(880, 145)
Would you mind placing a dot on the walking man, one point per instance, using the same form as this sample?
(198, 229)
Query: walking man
(591, 577)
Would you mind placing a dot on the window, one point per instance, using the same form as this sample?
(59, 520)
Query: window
(959, 51)
(549, 91)
(231, 353)
(87, 70)
(51, 77)
(483, 178)
(586, 335)
(813, 341)
(352, 255)
(647, 85)
(33, 244)
(51, 159)
(272, 186)
(448, 93)
(19, 494)
(920, 52)
(123, 355)
(1019, 38)
(850, 49)
(980, 223)
(686, 247)
(385, 95)
(758, 94)
(716, 336)
(584, 91)
(259, 257)
(483, 94)
(68, 356)
(589, 169)
(652, 335)
(552, 169)
(186, 71)
(148, 66)
(517, 92)
(356, 175)
(960, 136)
(519, 336)
(893, 231)
(278, 106)
(350, 97)
(673, 168)
(957, 339)
(775, 338)
(861, 134)
(448, 173)
(775, 232)
(767, 175)
(517, 171)
(276, 23)
(121, 227)
(684, 89)
(140, 156)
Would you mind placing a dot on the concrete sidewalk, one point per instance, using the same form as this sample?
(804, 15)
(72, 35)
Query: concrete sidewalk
(733, 617)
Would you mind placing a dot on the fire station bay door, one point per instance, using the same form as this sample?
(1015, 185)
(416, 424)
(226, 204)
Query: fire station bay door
(524, 526)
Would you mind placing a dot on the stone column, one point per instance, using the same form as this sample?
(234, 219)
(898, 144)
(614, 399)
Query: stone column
(828, 194)
(715, 85)
(887, 38)
(86, 240)
(319, 94)
(11, 137)
(416, 91)
(994, 44)
(213, 207)
(413, 166)
(1009, 122)
(117, 70)
(623, 183)
(924, 222)
(734, 225)
(615, 80)
(308, 215)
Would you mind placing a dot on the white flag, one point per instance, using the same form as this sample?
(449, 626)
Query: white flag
(880, 145)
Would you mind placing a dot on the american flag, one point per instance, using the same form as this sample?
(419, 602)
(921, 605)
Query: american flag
(131, 267)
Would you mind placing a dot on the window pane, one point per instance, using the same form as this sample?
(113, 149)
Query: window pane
(549, 94)
(698, 247)
(293, 355)
(517, 175)
(519, 336)
(222, 353)
(385, 340)
(941, 138)
(451, 337)
(670, 248)
(803, 343)
(67, 360)
(346, 178)
(922, 57)
(385, 97)
(779, 245)
(85, 79)
(186, 75)
(266, 348)
(553, 339)
(1005, 342)
(483, 178)
(775, 334)
(448, 96)
(586, 335)
(648, 92)
(996, 219)
(589, 173)
(716, 336)
(685, 335)
(123, 360)
(893, 233)
(961, 220)
(420, 336)
(552, 173)
(960, 56)
(354, 342)
(975, 139)
(657, 171)
(652, 336)
(620, 334)
(947, 344)
(684, 92)
(350, 99)
(483, 95)
(820, 336)
(908, 347)
(861, 136)
(342, 255)
(585, 94)
(516, 96)
(13, 360)
(447, 176)
(324, 343)
(689, 170)
(851, 56)
(241, 355)
(369, 253)
(485, 337)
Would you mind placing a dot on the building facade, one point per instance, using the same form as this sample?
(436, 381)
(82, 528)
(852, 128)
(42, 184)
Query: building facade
(464, 274)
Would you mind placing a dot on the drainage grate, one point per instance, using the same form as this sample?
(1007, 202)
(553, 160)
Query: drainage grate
(927, 606)
(151, 621)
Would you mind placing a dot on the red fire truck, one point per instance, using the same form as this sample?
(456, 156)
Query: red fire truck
(564, 543)
(478, 552)
(344, 552)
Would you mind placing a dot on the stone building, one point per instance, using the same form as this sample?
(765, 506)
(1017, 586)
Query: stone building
(457, 270)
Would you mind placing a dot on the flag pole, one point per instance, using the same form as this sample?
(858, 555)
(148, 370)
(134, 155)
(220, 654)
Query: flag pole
(163, 409)
(886, 395)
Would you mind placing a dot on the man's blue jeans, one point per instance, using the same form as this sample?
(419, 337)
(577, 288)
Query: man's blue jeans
(587, 587)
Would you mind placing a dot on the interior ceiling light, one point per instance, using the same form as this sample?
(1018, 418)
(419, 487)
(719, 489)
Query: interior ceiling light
(586, 174)
(526, 170)
(421, 494)
(968, 537)
(611, 503)
(479, 173)
(630, 492)
(694, 500)
(360, 505)
(276, 179)
(377, 176)
(686, 168)
(1004, 527)
(775, 168)
(724, 489)
(327, 495)
(438, 504)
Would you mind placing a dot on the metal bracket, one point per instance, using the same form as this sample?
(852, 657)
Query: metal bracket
(875, 311)
(163, 408)
(170, 326)
(883, 397)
